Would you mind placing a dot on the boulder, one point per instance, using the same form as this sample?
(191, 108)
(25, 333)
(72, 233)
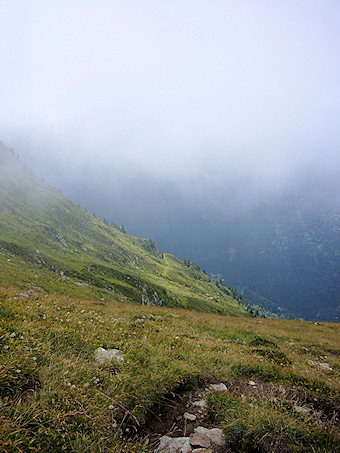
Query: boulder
(218, 387)
(201, 403)
(103, 355)
(206, 438)
(174, 445)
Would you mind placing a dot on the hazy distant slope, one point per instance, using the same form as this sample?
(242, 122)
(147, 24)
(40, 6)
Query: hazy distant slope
(282, 249)
(48, 241)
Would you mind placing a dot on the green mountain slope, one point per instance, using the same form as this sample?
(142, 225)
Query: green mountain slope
(46, 241)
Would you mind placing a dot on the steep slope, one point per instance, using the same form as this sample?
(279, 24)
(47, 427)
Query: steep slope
(281, 249)
(46, 241)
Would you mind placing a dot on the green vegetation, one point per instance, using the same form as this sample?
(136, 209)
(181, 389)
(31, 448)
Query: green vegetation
(71, 283)
(53, 392)
(48, 242)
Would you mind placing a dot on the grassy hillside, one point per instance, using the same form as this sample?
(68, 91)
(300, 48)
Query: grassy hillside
(46, 241)
(67, 283)
(281, 377)
(282, 250)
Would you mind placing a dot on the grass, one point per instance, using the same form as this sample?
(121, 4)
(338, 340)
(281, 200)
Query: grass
(70, 283)
(53, 392)
(270, 425)
(49, 242)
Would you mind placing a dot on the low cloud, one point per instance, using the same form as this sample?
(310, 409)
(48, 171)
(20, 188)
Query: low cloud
(202, 96)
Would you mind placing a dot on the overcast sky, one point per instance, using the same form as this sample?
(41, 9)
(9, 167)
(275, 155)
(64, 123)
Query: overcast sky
(179, 88)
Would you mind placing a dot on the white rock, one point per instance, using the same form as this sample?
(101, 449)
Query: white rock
(325, 366)
(190, 417)
(204, 437)
(202, 450)
(252, 383)
(199, 440)
(174, 445)
(218, 387)
(302, 410)
(102, 355)
(201, 403)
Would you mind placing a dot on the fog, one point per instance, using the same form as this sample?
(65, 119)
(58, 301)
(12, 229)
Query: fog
(211, 127)
(172, 90)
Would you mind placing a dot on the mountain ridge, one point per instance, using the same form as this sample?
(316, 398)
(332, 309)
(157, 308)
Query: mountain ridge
(48, 241)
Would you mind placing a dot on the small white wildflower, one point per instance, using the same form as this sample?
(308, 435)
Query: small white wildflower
(111, 406)
(13, 334)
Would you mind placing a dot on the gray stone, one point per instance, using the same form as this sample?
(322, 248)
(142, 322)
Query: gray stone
(325, 366)
(218, 387)
(190, 417)
(302, 410)
(102, 355)
(204, 437)
(202, 450)
(174, 445)
(198, 439)
(201, 403)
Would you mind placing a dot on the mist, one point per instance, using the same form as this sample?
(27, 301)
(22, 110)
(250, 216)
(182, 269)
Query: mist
(175, 91)
(210, 127)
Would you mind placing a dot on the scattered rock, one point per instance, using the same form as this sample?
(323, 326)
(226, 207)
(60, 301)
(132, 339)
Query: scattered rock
(200, 440)
(202, 450)
(190, 417)
(206, 438)
(218, 387)
(102, 355)
(302, 410)
(203, 440)
(174, 445)
(325, 366)
(201, 403)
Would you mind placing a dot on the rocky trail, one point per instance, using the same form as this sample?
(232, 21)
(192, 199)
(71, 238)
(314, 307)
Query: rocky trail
(183, 423)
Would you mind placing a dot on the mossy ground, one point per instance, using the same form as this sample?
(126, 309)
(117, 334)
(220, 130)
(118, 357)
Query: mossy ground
(55, 397)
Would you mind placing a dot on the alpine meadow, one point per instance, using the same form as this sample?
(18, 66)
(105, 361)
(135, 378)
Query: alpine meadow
(108, 344)
(169, 226)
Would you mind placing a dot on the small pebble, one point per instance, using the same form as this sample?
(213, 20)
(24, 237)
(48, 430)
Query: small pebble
(190, 417)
